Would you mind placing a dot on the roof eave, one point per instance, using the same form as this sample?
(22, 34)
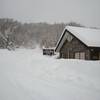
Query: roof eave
(56, 48)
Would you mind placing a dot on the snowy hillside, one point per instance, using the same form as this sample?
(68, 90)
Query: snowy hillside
(27, 75)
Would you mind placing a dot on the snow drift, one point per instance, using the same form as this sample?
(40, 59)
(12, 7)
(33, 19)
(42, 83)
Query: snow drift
(27, 75)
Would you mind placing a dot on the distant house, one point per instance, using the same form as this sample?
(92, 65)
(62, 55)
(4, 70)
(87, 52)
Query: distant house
(48, 51)
(79, 43)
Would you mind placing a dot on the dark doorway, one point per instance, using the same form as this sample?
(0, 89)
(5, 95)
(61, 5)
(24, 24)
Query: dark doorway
(94, 55)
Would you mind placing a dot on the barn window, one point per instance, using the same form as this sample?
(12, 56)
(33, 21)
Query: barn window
(69, 37)
(82, 55)
(79, 55)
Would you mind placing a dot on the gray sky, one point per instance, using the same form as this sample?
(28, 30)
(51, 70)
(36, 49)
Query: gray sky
(86, 12)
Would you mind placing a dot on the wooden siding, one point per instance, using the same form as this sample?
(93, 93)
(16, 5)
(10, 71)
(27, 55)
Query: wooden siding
(69, 49)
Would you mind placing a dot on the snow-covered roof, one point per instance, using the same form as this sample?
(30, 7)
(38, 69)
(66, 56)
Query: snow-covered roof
(48, 48)
(89, 36)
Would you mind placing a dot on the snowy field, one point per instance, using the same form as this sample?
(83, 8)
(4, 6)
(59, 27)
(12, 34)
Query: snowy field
(28, 75)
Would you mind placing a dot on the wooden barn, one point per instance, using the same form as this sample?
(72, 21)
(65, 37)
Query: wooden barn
(79, 43)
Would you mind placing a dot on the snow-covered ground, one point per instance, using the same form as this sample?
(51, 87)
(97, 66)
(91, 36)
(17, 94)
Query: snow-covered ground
(28, 75)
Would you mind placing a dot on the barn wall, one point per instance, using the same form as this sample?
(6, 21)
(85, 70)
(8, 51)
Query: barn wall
(95, 53)
(69, 48)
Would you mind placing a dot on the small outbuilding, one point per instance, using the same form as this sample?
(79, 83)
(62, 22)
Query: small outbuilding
(48, 51)
(79, 43)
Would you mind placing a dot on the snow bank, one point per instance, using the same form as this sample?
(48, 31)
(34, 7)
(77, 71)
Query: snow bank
(27, 75)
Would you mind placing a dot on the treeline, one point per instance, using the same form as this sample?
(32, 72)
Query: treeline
(14, 34)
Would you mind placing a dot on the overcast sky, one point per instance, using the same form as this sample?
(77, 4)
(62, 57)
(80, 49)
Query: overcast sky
(86, 12)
